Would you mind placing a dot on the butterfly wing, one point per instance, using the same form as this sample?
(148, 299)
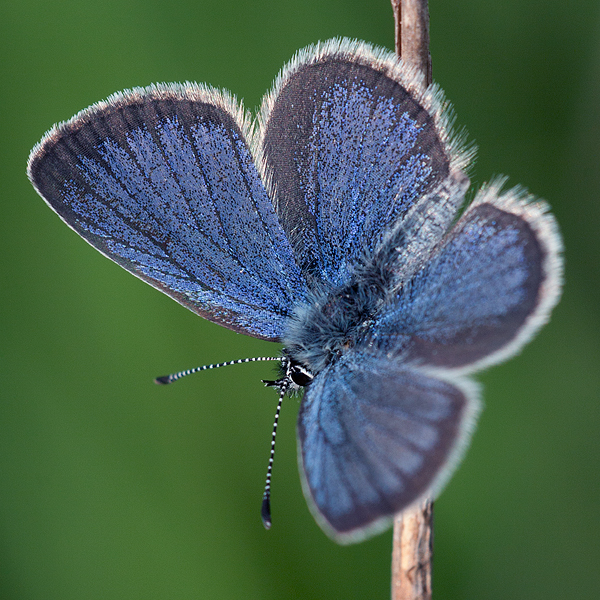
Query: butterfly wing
(374, 437)
(352, 144)
(487, 288)
(161, 181)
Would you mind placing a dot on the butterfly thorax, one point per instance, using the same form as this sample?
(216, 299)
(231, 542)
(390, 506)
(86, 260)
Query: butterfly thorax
(332, 321)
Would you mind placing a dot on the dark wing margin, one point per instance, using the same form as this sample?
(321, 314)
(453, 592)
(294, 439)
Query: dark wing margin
(352, 142)
(161, 181)
(374, 437)
(485, 291)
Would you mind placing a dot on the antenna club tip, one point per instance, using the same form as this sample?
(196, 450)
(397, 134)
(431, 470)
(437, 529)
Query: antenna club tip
(164, 380)
(265, 512)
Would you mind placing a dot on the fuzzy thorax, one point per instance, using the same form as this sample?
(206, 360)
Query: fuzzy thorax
(333, 320)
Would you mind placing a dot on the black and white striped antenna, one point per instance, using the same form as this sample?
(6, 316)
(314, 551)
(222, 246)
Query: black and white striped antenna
(165, 379)
(282, 384)
(265, 509)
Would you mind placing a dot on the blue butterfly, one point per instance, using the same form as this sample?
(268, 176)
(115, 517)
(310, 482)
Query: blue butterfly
(331, 225)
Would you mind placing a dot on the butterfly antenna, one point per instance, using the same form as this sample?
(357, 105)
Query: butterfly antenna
(165, 379)
(265, 509)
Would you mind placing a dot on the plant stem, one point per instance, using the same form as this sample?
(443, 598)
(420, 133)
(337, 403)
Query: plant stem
(413, 529)
(412, 553)
(411, 18)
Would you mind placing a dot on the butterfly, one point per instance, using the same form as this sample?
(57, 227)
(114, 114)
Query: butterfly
(333, 224)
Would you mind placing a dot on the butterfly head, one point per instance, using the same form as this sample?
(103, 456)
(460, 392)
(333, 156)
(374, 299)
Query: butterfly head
(294, 376)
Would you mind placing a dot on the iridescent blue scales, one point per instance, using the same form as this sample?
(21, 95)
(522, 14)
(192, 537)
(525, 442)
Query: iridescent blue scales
(330, 225)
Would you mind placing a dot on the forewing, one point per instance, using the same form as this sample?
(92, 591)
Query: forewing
(161, 181)
(374, 437)
(484, 292)
(352, 143)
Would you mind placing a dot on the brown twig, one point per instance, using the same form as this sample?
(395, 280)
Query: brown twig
(412, 553)
(411, 18)
(413, 529)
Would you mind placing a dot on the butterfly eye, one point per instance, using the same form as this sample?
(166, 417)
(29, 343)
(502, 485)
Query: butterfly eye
(300, 376)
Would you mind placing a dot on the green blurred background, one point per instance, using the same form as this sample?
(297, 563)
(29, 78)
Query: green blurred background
(114, 488)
